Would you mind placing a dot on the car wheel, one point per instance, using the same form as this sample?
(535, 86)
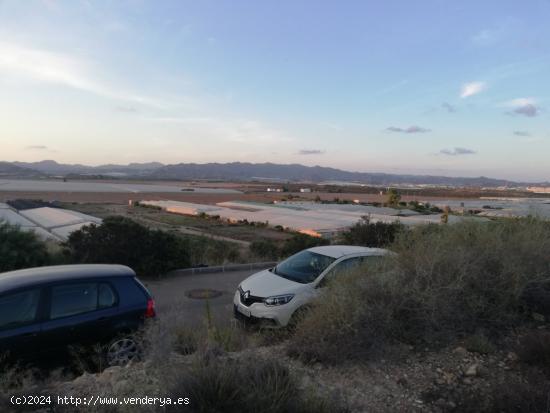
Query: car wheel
(298, 316)
(121, 351)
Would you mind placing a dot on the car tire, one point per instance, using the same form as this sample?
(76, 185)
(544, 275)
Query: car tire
(298, 316)
(122, 350)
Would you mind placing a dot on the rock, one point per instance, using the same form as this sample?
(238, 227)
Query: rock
(441, 402)
(512, 356)
(448, 377)
(472, 371)
(539, 317)
(460, 350)
(402, 381)
(120, 387)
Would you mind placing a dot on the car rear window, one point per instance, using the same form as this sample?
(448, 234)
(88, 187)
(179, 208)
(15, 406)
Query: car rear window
(107, 297)
(72, 299)
(18, 308)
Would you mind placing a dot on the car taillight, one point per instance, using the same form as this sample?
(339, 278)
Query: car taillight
(150, 312)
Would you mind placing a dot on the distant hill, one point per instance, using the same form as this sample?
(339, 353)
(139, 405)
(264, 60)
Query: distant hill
(239, 171)
(9, 170)
(53, 168)
(296, 172)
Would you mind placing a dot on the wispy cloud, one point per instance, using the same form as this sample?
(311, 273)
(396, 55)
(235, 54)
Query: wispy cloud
(37, 148)
(448, 107)
(457, 152)
(524, 106)
(486, 37)
(310, 152)
(521, 133)
(529, 110)
(472, 88)
(410, 129)
(61, 69)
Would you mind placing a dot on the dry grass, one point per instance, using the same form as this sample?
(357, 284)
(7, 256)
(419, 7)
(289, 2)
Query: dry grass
(445, 282)
(247, 386)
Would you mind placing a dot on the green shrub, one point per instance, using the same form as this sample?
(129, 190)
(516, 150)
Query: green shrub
(120, 240)
(301, 242)
(205, 250)
(264, 249)
(20, 249)
(444, 282)
(369, 234)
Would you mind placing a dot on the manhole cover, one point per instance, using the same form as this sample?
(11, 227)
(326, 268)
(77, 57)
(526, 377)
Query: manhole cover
(203, 294)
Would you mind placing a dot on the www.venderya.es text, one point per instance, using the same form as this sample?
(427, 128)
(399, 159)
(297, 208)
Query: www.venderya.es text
(47, 400)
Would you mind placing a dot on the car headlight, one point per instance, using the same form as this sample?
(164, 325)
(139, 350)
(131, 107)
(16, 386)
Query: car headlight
(278, 299)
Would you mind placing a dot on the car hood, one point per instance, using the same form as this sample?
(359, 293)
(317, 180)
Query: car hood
(266, 284)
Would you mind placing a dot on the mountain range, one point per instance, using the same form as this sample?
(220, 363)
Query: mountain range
(238, 171)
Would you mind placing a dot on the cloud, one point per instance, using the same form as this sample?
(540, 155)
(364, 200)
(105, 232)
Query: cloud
(61, 69)
(311, 152)
(486, 37)
(521, 133)
(410, 129)
(450, 108)
(457, 152)
(527, 110)
(524, 106)
(37, 148)
(472, 88)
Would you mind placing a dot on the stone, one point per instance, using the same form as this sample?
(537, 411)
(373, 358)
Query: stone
(512, 356)
(460, 350)
(539, 317)
(472, 370)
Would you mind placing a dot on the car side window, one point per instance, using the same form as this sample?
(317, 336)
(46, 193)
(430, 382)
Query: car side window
(19, 308)
(73, 299)
(106, 296)
(340, 268)
(349, 265)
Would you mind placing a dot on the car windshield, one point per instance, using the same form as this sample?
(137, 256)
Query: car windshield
(303, 267)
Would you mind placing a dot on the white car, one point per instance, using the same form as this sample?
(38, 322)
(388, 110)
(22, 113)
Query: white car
(272, 296)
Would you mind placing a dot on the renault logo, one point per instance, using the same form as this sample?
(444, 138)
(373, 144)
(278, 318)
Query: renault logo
(246, 295)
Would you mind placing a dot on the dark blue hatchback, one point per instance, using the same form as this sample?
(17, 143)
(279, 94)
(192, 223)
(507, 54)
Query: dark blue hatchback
(50, 308)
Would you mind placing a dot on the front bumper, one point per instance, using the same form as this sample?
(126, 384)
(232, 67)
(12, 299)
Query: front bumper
(260, 314)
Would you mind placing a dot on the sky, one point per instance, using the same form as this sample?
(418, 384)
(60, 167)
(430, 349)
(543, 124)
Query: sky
(425, 87)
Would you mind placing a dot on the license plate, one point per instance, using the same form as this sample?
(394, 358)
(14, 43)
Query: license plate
(243, 310)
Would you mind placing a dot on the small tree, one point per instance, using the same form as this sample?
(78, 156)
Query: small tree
(393, 197)
(120, 240)
(375, 235)
(20, 249)
(301, 242)
(264, 249)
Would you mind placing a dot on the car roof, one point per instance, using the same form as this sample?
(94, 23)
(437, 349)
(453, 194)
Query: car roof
(32, 276)
(339, 251)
